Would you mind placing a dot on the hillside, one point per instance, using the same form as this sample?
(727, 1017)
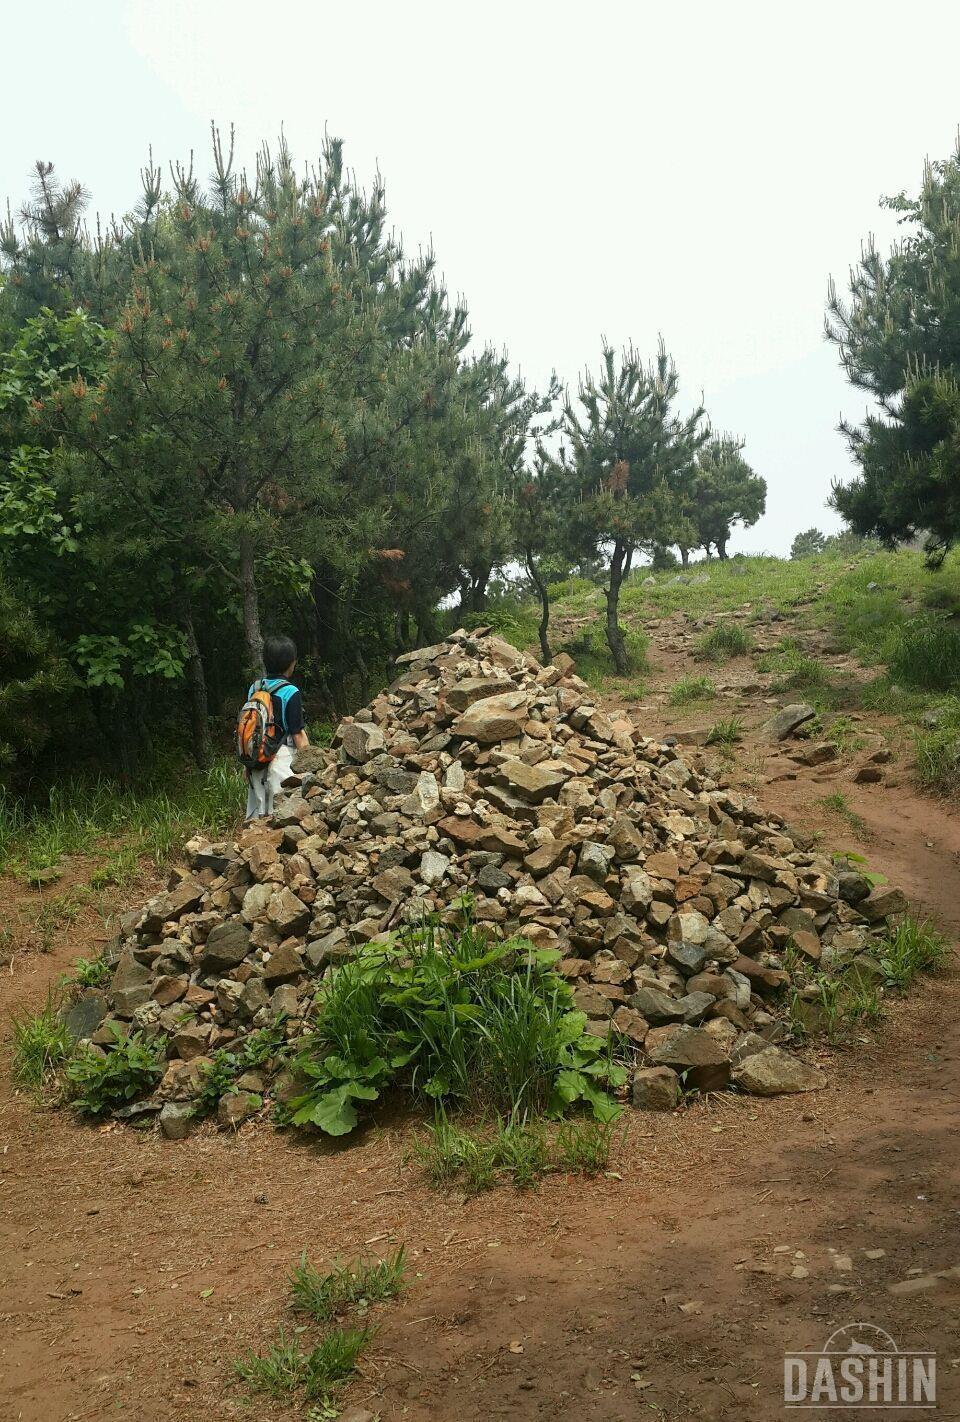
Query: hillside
(639, 1287)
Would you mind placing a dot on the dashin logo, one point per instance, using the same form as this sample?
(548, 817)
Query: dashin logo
(860, 1366)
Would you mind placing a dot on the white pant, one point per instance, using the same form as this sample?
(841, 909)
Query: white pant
(263, 785)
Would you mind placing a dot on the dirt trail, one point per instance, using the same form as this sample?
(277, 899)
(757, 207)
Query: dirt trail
(725, 1236)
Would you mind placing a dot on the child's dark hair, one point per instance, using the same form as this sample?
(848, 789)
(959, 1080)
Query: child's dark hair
(278, 654)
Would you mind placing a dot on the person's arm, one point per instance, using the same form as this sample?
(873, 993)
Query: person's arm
(293, 716)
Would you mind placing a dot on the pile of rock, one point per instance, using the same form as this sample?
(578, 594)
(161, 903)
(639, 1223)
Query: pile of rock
(678, 906)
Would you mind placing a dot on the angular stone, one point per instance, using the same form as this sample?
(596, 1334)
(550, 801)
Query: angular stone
(656, 1006)
(685, 1047)
(191, 1040)
(779, 727)
(631, 1025)
(176, 1118)
(533, 783)
(288, 914)
(227, 945)
(361, 739)
(774, 1072)
(496, 718)
(636, 893)
(655, 1088)
(423, 802)
(83, 1017)
(881, 902)
(132, 985)
(283, 964)
(546, 858)
(434, 867)
(595, 860)
(688, 957)
(237, 1107)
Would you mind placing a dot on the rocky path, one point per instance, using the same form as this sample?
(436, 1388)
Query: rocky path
(133, 1270)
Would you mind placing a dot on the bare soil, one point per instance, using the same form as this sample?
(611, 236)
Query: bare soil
(134, 1270)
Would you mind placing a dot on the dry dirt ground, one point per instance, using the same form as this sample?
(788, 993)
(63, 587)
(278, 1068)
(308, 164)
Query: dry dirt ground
(134, 1270)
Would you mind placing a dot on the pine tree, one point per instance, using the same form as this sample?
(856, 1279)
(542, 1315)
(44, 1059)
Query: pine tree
(628, 450)
(723, 491)
(899, 339)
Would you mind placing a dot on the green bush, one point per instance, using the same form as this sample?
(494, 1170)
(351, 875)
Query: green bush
(914, 946)
(726, 640)
(102, 1081)
(41, 1045)
(456, 1019)
(692, 688)
(926, 652)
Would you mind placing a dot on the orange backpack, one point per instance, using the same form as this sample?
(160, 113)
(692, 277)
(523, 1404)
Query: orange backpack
(258, 735)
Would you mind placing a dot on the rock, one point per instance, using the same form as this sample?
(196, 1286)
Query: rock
(237, 1107)
(423, 802)
(867, 775)
(773, 1072)
(496, 718)
(310, 760)
(283, 964)
(534, 783)
(656, 1006)
(288, 913)
(688, 957)
(881, 903)
(595, 860)
(361, 740)
(790, 719)
(655, 1089)
(433, 867)
(176, 1118)
(464, 694)
(132, 985)
(689, 1047)
(82, 1018)
(226, 946)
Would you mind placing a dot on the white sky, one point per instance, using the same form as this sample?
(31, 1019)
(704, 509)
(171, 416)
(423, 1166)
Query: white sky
(697, 169)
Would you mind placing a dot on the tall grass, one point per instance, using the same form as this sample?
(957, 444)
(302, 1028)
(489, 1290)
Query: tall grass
(722, 642)
(926, 652)
(78, 815)
(41, 1045)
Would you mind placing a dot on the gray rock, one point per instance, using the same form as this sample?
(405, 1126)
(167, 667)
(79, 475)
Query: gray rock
(779, 727)
(227, 945)
(176, 1118)
(83, 1017)
(361, 740)
(774, 1072)
(657, 1007)
(655, 1089)
(132, 985)
(433, 867)
(688, 957)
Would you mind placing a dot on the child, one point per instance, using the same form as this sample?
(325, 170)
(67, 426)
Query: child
(279, 662)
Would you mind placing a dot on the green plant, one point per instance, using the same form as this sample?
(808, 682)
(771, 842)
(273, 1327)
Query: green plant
(692, 688)
(913, 946)
(41, 1045)
(726, 733)
(520, 1147)
(926, 652)
(456, 1018)
(256, 1050)
(448, 1151)
(104, 1080)
(281, 1369)
(862, 1003)
(91, 972)
(584, 1146)
(837, 802)
(726, 640)
(324, 1296)
(334, 1359)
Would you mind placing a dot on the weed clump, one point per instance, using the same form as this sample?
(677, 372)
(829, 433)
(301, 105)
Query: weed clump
(103, 1080)
(721, 643)
(692, 688)
(41, 1045)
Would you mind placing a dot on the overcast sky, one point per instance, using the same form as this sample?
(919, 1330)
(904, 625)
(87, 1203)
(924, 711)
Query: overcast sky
(697, 169)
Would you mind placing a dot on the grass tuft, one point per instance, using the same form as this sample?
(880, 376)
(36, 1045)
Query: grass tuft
(41, 1046)
(692, 688)
(324, 1296)
(584, 1146)
(914, 946)
(722, 642)
(726, 733)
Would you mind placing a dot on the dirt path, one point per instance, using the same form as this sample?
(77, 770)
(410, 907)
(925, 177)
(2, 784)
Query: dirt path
(724, 1236)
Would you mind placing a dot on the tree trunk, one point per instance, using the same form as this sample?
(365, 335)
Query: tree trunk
(619, 567)
(721, 548)
(252, 636)
(479, 577)
(200, 741)
(684, 555)
(536, 577)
